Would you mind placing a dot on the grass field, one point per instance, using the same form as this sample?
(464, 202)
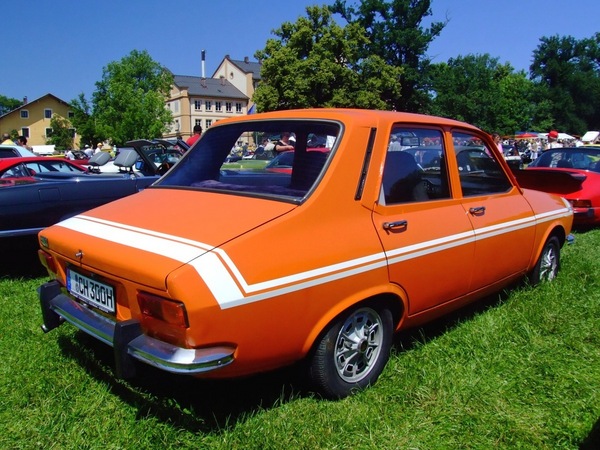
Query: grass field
(517, 370)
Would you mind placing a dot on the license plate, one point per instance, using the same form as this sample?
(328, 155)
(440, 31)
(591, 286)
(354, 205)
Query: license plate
(93, 292)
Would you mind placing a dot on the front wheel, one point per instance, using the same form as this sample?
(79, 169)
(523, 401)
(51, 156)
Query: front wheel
(548, 264)
(353, 352)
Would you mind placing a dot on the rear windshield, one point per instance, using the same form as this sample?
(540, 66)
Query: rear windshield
(281, 159)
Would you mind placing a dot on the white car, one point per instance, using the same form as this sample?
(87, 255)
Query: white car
(14, 151)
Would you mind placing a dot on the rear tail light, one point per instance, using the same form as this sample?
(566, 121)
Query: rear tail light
(581, 203)
(47, 261)
(163, 309)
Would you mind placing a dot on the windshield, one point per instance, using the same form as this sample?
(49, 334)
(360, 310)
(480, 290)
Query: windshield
(278, 158)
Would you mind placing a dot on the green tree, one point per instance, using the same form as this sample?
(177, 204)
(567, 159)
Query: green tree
(567, 71)
(396, 35)
(317, 63)
(62, 133)
(84, 122)
(479, 90)
(8, 104)
(129, 101)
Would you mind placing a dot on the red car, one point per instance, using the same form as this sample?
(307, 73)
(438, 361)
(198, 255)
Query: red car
(21, 170)
(573, 173)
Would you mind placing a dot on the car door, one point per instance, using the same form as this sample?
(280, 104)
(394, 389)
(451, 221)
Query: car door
(427, 238)
(502, 219)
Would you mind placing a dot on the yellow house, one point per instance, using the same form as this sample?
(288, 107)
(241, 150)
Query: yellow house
(32, 119)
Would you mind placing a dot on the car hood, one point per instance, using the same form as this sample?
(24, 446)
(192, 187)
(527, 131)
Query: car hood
(146, 236)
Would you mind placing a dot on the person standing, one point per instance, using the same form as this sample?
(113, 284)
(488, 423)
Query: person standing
(6, 140)
(193, 138)
(22, 141)
(553, 140)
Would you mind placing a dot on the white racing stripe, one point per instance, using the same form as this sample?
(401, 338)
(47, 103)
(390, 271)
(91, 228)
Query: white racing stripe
(228, 285)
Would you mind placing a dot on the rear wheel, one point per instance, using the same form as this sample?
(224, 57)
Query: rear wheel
(353, 352)
(548, 264)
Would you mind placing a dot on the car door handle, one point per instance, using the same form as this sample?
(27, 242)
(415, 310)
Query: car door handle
(395, 225)
(477, 211)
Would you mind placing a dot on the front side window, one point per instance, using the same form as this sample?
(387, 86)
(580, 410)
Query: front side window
(213, 164)
(479, 171)
(415, 167)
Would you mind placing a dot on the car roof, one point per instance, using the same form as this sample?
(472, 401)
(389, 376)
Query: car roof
(22, 150)
(350, 115)
(8, 162)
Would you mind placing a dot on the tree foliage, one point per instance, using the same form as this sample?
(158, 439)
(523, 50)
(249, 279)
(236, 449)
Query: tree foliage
(479, 90)
(62, 133)
(317, 63)
(130, 100)
(568, 74)
(7, 104)
(83, 121)
(395, 32)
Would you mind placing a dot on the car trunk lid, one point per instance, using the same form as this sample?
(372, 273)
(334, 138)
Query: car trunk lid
(125, 240)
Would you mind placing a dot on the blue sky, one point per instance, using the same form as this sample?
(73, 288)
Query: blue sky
(61, 46)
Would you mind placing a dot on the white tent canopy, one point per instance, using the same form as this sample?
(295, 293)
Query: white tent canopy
(590, 136)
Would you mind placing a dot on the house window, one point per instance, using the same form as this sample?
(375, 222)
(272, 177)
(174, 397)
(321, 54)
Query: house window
(198, 122)
(208, 105)
(208, 123)
(48, 132)
(24, 114)
(218, 107)
(25, 132)
(47, 113)
(238, 107)
(228, 107)
(176, 106)
(197, 105)
(70, 114)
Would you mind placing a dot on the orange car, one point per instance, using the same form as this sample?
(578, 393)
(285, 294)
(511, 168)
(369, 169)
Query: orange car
(224, 273)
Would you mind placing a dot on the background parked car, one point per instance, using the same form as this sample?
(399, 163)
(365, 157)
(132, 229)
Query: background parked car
(573, 173)
(48, 196)
(12, 151)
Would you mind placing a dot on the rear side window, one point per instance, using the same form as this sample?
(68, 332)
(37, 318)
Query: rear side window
(479, 171)
(415, 166)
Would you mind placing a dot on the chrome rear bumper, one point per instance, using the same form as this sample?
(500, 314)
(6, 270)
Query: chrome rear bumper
(127, 338)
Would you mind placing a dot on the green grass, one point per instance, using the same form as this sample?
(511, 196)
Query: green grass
(518, 370)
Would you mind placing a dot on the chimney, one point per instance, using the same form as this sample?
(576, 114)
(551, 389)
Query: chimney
(203, 82)
(222, 80)
(203, 58)
(24, 100)
(246, 60)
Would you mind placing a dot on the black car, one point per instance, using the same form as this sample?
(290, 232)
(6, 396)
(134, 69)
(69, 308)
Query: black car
(50, 197)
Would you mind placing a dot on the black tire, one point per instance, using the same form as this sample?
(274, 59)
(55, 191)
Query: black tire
(548, 264)
(353, 352)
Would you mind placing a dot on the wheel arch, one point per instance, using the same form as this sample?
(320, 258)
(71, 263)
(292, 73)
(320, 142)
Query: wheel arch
(392, 297)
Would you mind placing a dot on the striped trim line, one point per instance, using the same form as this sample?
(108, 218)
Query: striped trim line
(228, 285)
